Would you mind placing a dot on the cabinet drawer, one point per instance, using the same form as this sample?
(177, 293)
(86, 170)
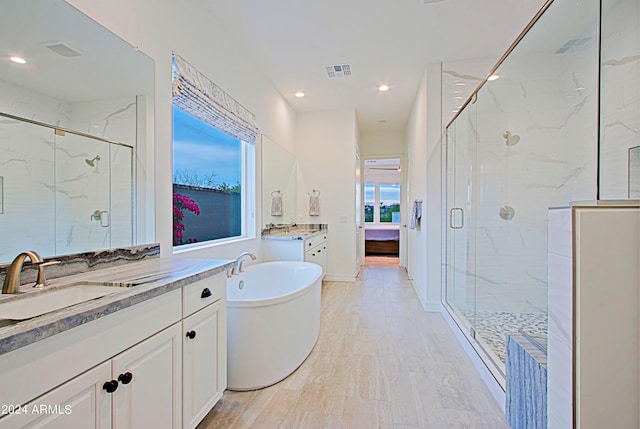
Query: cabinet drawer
(312, 242)
(199, 294)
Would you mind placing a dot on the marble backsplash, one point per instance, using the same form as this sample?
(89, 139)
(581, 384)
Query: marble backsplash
(86, 261)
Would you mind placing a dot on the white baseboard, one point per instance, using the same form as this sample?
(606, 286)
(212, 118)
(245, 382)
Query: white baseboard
(339, 278)
(432, 307)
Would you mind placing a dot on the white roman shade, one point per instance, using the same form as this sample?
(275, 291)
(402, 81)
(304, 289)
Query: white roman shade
(198, 96)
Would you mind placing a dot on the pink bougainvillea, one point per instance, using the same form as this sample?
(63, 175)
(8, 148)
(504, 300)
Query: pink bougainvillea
(180, 204)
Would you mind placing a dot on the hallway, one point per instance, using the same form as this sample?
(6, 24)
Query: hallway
(380, 362)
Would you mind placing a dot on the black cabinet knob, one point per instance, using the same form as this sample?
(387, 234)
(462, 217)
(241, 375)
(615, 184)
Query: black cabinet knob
(191, 335)
(125, 378)
(110, 386)
(206, 293)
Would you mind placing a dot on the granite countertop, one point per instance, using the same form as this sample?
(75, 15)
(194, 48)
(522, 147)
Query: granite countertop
(294, 234)
(149, 278)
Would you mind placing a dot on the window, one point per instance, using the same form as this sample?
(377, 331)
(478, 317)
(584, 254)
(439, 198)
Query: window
(369, 201)
(213, 160)
(382, 202)
(389, 203)
(207, 181)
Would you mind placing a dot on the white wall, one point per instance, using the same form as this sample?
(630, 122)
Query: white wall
(376, 144)
(326, 150)
(424, 155)
(189, 29)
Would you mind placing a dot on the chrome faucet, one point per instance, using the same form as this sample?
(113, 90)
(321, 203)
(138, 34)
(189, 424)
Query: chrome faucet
(12, 278)
(237, 268)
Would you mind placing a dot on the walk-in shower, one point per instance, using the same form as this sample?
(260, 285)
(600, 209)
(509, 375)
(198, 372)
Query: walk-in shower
(498, 188)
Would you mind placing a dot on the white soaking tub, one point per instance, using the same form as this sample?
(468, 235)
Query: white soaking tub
(273, 321)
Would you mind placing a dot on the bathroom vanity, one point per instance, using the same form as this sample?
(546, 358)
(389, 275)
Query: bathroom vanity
(152, 354)
(298, 243)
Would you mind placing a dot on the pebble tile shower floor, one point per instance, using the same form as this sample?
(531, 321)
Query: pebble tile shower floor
(380, 362)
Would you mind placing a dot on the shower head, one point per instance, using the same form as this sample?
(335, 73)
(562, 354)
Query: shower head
(510, 139)
(92, 162)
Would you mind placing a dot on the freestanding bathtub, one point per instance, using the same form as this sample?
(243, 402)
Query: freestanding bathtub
(273, 321)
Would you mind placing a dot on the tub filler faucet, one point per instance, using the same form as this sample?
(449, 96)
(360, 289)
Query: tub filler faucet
(237, 267)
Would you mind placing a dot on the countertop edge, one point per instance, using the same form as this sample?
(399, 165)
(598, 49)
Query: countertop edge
(164, 274)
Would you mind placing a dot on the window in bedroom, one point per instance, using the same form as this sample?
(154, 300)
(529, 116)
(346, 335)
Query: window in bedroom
(389, 203)
(369, 202)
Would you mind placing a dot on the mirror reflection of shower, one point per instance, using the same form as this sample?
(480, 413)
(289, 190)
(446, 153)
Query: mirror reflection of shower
(510, 139)
(93, 162)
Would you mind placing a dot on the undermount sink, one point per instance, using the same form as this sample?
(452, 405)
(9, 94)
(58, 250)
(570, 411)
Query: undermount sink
(35, 304)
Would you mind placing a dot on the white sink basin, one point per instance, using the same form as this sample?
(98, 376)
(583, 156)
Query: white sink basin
(28, 306)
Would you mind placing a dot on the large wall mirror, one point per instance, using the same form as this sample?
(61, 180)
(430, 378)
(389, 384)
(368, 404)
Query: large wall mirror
(76, 104)
(278, 183)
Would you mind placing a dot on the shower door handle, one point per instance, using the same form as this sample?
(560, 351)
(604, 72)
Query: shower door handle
(456, 218)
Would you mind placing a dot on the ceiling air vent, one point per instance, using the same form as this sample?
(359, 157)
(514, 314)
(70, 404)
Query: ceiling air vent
(339, 70)
(64, 50)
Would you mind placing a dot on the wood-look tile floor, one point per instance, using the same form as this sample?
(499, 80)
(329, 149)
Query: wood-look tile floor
(380, 362)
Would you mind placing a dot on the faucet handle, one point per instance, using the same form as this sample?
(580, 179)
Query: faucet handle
(41, 281)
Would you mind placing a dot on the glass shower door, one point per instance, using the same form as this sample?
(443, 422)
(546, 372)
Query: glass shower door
(460, 282)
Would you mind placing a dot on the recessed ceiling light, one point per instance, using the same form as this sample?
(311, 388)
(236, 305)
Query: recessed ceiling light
(383, 88)
(18, 60)
(299, 94)
(493, 77)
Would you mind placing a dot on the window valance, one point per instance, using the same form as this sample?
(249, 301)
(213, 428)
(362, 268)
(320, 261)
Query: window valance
(198, 96)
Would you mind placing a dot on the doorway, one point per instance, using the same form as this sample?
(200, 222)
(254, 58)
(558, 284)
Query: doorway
(382, 188)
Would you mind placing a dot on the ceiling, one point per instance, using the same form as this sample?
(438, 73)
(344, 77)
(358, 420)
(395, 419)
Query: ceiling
(384, 41)
(106, 66)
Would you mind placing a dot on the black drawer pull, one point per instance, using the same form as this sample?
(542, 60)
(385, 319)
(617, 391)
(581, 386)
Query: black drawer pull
(206, 293)
(110, 386)
(191, 335)
(125, 378)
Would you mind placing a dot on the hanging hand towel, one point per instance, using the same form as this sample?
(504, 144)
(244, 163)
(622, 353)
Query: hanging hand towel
(412, 215)
(314, 203)
(276, 203)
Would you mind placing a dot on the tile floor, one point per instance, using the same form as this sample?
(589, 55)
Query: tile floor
(380, 362)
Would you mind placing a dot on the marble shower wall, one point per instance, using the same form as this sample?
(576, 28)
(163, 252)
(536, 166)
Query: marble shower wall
(619, 99)
(548, 100)
(47, 205)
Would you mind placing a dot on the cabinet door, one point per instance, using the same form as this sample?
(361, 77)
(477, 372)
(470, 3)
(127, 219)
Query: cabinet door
(204, 350)
(317, 255)
(79, 403)
(150, 383)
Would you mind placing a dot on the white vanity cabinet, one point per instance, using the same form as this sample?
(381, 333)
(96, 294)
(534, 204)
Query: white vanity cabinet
(79, 403)
(149, 383)
(312, 249)
(140, 367)
(204, 336)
